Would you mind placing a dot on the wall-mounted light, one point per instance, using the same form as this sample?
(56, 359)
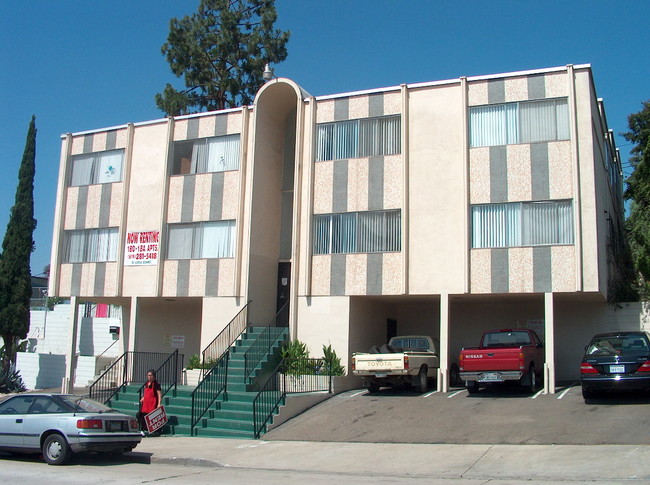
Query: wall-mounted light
(268, 72)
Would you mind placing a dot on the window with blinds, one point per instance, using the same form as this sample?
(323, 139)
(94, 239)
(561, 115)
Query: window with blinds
(215, 154)
(358, 232)
(91, 245)
(522, 224)
(523, 122)
(201, 240)
(97, 168)
(359, 138)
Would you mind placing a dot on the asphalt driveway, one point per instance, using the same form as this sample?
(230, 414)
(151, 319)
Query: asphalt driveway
(496, 416)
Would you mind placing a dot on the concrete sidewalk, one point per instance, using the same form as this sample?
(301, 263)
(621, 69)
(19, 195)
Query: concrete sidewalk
(562, 463)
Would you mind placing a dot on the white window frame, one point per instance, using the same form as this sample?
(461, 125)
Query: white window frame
(91, 245)
(535, 121)
(97, 168)
(197, 243)
(520, 224)
(366, 137)
(206, 155)
(358, 232)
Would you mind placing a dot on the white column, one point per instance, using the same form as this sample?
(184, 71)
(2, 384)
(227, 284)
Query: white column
(133, 322)
(549, 344)
(443, 351)
(67, 386)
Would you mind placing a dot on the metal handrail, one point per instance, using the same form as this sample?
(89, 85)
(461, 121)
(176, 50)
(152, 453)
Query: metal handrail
(264, 341)
(167, 374)
(213, 382)
(290, 376)
(130, 367)
(209, 389)
(222, 342)
(106, 349)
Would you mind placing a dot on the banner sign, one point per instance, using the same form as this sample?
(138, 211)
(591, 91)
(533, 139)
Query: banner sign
(156, 419)
(142, 248)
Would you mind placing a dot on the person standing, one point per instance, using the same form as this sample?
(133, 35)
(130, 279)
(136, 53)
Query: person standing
(151, 398)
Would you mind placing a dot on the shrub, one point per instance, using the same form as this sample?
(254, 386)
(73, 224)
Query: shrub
(331, 362)
(11, 381)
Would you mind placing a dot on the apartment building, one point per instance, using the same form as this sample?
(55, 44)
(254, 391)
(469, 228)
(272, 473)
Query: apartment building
(443, 208)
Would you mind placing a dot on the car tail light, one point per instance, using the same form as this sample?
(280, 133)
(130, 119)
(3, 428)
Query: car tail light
(406, 361)
(461, 367)
(133, 424)
(89, 424)
(522, 361)
(645, 367)
(354, 363)
(586, 368)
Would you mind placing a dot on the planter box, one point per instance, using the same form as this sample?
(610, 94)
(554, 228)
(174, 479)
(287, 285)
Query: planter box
(191, 377)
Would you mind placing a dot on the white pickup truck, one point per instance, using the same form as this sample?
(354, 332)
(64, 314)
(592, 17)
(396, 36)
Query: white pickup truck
(409, 359)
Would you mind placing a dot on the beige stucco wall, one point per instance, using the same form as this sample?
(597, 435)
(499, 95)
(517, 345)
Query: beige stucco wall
(437, 240)
(328, 324)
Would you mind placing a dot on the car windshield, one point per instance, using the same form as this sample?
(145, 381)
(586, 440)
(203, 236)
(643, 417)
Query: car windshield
(506, 339)
(617, 344)
(83, 404)
(413, 343)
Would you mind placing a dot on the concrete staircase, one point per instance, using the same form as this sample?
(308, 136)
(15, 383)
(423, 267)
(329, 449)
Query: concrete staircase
(231, 416)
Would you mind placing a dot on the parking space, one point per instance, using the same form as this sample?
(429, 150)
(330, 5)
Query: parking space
(500, 415)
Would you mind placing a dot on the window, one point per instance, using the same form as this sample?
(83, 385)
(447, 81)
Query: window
(216, 154)
(359, 138)
(91, 245)
(358, 232)
(97, 168)
(522, 224)
(201, 240)
(524, 122)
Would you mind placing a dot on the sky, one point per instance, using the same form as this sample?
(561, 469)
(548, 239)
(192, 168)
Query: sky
(81, 66)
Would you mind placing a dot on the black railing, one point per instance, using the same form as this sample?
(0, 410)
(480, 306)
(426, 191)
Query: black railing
(132, 367)
(209, 389)
(213, 382)
(167, 374)
(222, 342)
(290, 376)
(261, 346)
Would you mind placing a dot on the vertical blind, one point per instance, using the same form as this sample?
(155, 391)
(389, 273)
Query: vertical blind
(91, 245)
(357, 232)
(216, 154)
(97, 168)
(522, 224)
(523, 122)
(199, 240)
(359, 138)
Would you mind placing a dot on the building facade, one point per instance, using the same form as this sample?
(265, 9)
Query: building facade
(443, 208)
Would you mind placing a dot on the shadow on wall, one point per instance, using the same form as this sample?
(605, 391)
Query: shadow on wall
(51, 370)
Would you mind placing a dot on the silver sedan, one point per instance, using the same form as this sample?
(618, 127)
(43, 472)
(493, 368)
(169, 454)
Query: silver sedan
(61, 424)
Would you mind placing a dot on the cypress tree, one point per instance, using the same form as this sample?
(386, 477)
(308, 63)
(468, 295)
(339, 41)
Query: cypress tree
(17, 246)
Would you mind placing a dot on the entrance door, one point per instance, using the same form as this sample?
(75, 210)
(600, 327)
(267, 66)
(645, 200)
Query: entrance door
(284, 290)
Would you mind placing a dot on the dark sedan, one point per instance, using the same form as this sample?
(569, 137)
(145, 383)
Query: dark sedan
(60, 424)
(616, 361)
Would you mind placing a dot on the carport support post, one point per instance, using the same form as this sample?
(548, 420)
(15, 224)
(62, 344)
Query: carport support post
(133, 323)
(549, 344)
(67, 385)
(443, 351)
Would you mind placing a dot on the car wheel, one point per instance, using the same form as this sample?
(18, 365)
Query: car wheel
(529, 382)
(454, 375)
(472, 387)
(423, 380)
(56, 450)
(587, 394)
(373, 387)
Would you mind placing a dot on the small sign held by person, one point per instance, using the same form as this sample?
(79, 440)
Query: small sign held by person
(156, 419)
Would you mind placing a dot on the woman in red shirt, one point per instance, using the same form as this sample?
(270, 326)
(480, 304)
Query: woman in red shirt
(151, 397)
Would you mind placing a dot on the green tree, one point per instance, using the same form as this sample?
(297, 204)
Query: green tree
(221, 52)
(638, 192)
(17, 246)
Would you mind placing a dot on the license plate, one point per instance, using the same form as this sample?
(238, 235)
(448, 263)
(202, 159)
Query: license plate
(115, 426)
(381, 375)
(616, 369)
(490, 377)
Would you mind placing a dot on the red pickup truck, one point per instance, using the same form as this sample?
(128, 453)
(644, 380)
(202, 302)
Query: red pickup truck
(503, 355)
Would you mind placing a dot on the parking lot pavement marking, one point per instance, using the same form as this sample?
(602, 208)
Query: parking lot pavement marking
(563, 393)
(358, 393)
(455, 393)
(429, 393)
(534, 396)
